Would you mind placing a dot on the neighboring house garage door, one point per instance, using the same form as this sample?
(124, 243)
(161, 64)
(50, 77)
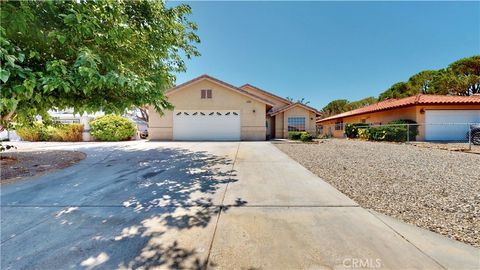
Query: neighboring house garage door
(217, 125)
(449, 125)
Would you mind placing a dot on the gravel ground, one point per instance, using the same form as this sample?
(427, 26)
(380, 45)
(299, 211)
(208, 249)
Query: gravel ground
(17, 165)
(435, 189)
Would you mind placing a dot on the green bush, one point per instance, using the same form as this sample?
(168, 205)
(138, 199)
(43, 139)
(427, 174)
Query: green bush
(306, 137)
(351, 129)
(388, 133)
(295, 135)
(59, 132)
(363, 133)
(112, 128)
(412, 129)
(300, 136)
(395, 131)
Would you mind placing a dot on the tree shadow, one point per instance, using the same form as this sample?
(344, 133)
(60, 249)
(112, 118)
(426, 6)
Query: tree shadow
(174, 196)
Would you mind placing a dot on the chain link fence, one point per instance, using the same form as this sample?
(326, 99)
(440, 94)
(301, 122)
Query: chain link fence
(441, 135)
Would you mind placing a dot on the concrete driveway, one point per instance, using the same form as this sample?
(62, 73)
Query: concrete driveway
(217, 205)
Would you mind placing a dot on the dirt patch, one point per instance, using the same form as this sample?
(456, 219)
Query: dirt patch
(18, 165)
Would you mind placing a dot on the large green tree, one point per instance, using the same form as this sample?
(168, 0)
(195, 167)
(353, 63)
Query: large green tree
(90, 55)
(342, 105)
(459, 78)
(398, 90)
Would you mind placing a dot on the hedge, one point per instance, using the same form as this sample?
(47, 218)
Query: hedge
(300, 136)
(58, 132)
(306, 137)
(112, 128)
(351, 129)
(395, 131)
(295, 135)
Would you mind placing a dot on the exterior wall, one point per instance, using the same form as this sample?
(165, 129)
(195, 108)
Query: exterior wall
(252, 112)
(421, 116)
(160, 127)
(279, 125)
(383, 117)
(282, 129)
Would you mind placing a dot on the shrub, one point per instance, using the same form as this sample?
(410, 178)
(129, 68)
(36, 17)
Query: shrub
(412, 129)
(112, 128)
(388, 133)
(306, 137)
(66, 133)
(395, 131)
(295, 135)
(351, 129)
(363, 133)
(33, 133)
(60, 132)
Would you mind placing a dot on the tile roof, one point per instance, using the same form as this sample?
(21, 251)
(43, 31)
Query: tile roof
(419, 99)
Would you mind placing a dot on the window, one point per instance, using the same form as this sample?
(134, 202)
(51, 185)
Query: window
(296, 123)
(206, 93)
(339, 125)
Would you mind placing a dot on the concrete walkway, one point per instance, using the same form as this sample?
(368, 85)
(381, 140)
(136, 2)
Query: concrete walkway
(216, 205)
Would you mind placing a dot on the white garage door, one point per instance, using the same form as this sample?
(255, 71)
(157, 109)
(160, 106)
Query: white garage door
(216, 125)
(449, 125)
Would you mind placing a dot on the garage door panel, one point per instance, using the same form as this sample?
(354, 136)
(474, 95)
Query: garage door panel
(449, 125)
(206, 125)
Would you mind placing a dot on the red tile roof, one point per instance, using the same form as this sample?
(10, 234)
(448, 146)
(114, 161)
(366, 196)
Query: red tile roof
(419, 99)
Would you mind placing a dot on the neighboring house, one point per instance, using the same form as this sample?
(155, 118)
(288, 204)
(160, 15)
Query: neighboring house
(439, 117)
(207, 108)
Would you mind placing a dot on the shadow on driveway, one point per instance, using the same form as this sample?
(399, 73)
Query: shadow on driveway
(119, 208)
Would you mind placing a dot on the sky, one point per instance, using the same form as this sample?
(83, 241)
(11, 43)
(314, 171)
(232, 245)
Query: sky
(323, 51)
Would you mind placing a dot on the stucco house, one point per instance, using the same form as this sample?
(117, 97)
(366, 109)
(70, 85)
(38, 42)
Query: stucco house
(207, 108)
(440, 118)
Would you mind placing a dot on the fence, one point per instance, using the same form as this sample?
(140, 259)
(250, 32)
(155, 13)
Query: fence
(462, 134)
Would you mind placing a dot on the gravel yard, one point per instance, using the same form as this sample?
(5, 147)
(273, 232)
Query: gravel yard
(435, 189)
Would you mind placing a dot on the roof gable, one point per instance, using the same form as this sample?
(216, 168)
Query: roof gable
(255, 90)
(290, 106)
(235, 89)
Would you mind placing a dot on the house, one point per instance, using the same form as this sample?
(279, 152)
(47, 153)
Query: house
(207, 108)
(439, 117)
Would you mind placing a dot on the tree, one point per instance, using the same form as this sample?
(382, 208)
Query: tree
(91, 55)
(361, 103)
(335, 107)
(421, 82)
(398, 90)
(144, 113)
(459, 78)
(302, 100)
(467, 72)
(343, 105)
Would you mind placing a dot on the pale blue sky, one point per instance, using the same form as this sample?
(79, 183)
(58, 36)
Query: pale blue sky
(330, 50)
